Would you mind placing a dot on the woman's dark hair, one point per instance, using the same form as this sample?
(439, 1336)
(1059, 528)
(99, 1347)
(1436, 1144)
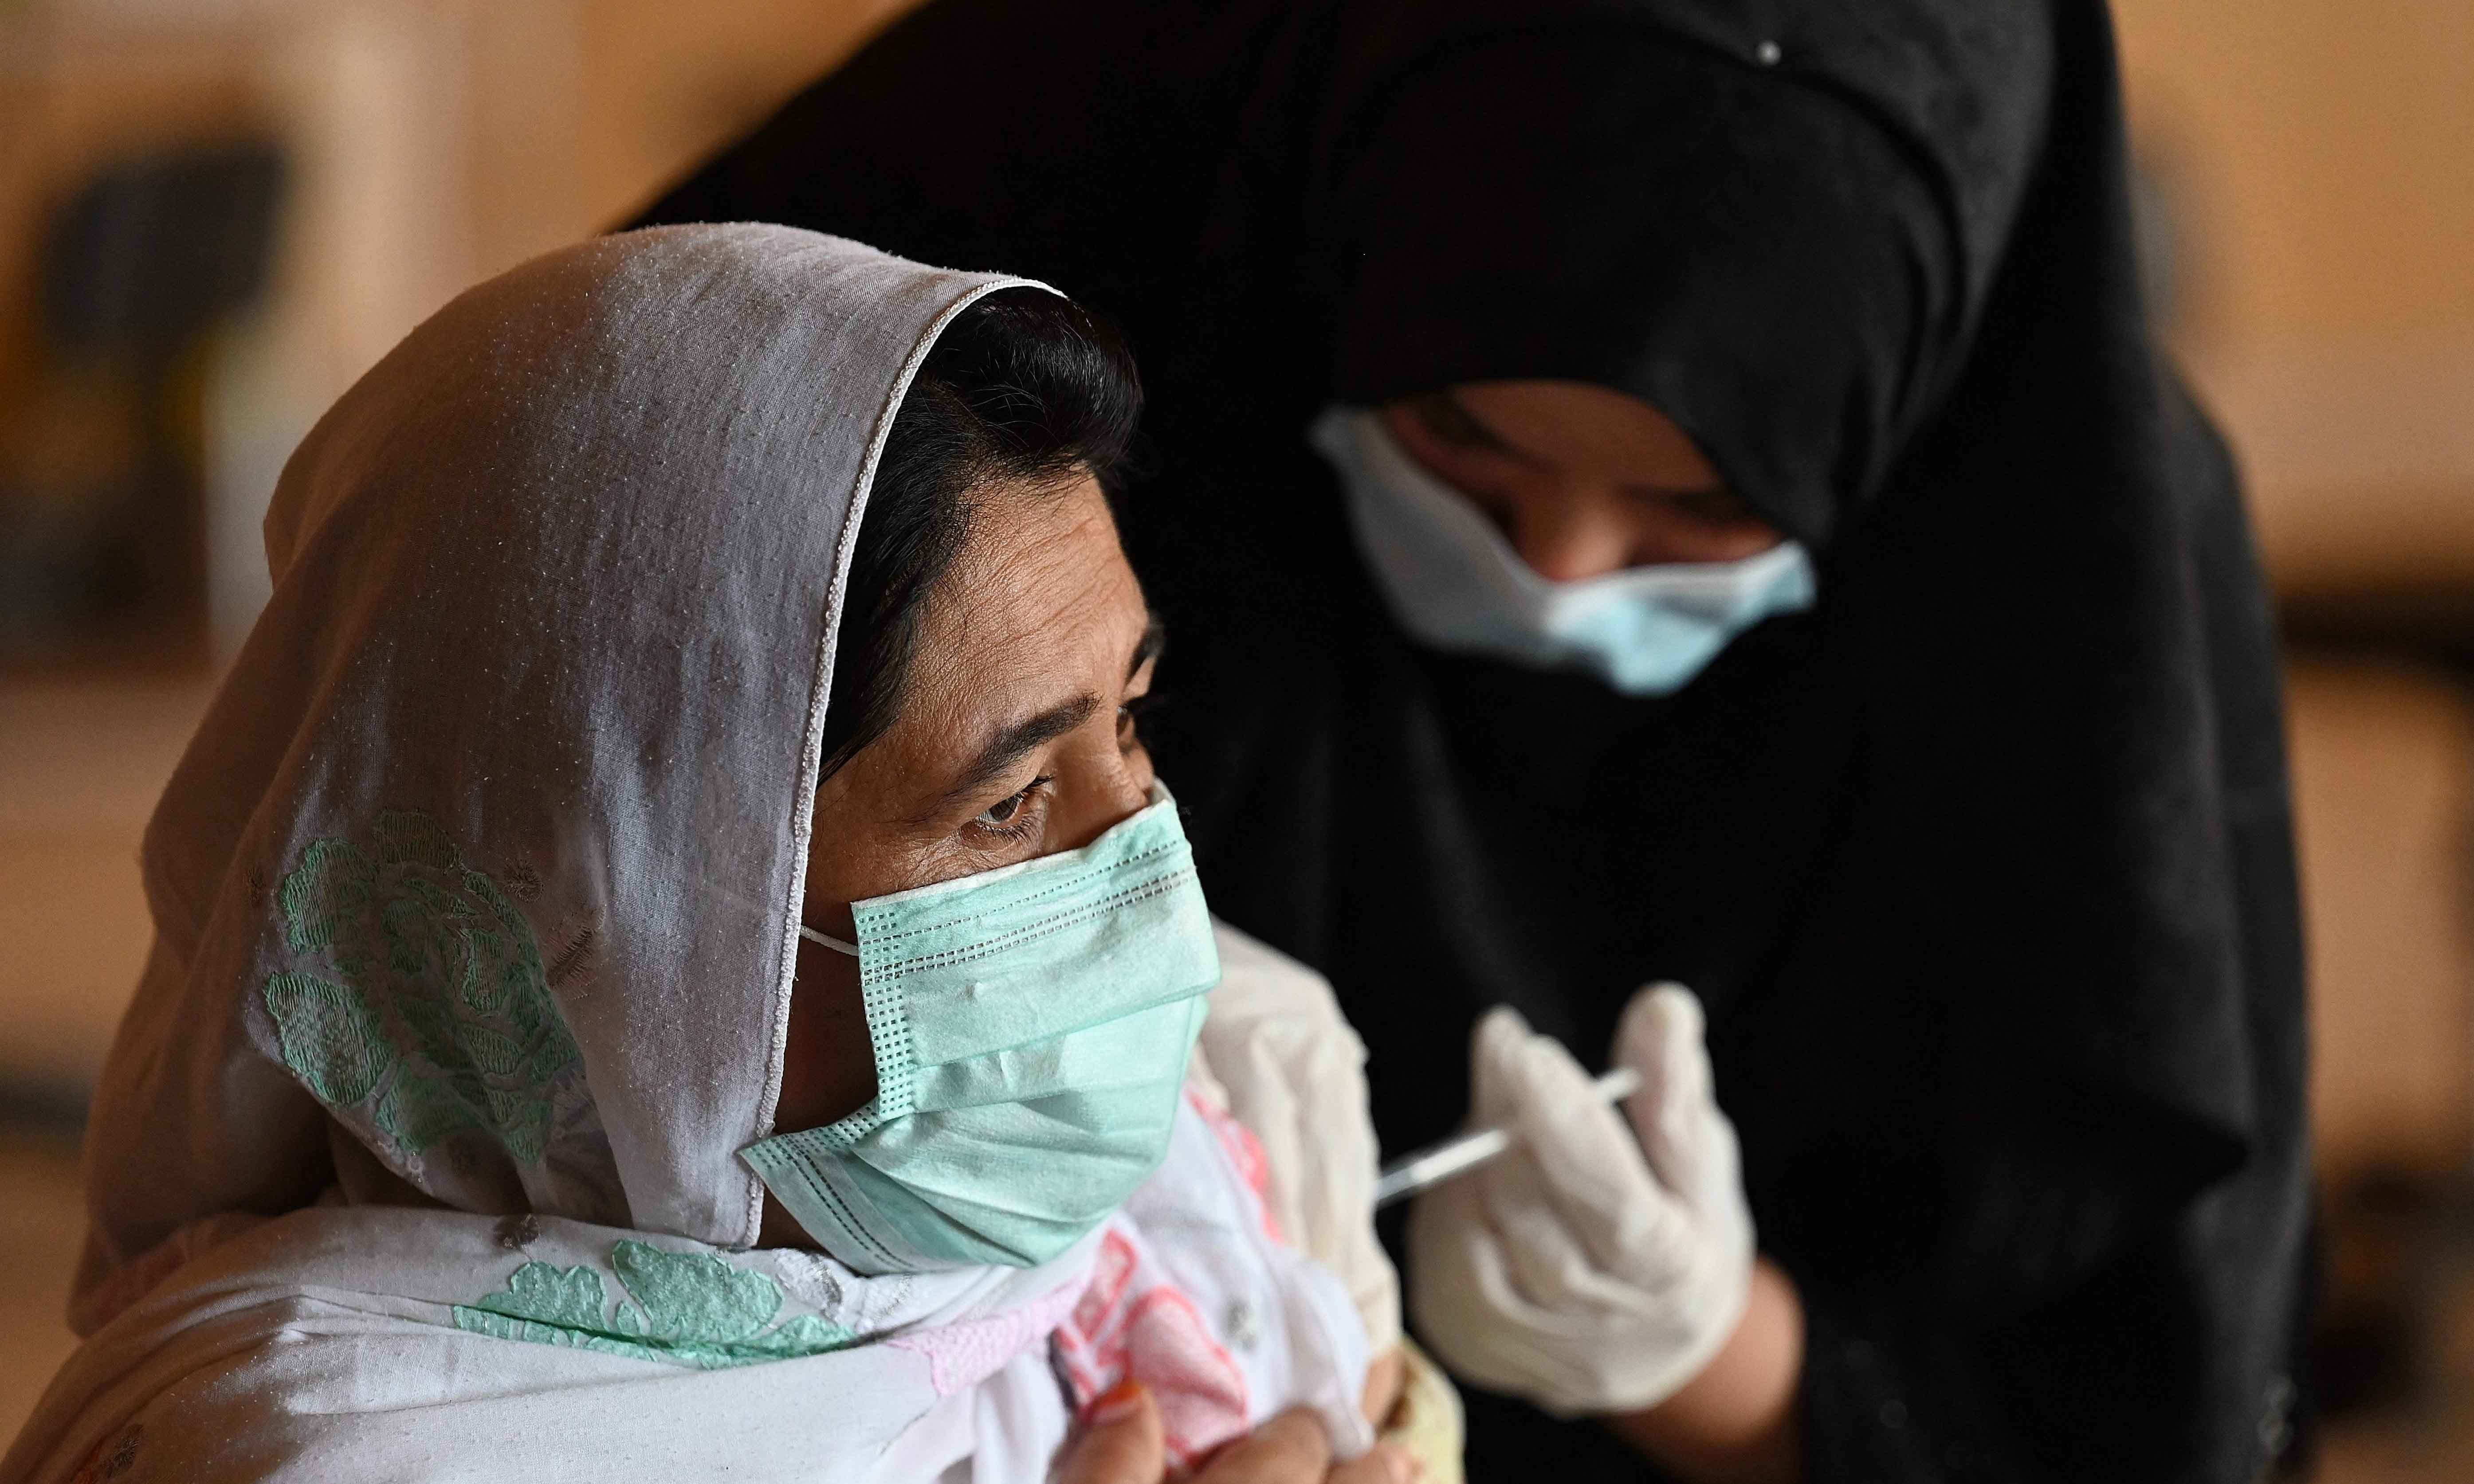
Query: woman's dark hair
(1023, 391)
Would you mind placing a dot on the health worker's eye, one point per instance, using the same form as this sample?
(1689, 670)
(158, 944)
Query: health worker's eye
(1449, 421)
(1707, 506)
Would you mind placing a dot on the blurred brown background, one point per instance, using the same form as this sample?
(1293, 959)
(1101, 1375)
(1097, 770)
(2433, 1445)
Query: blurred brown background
(215, 213)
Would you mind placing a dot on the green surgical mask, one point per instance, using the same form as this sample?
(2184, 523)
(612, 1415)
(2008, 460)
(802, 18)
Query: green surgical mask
(1031, 1027)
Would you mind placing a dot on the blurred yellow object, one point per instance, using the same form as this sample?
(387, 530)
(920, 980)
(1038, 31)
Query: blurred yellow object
(1426, 1422)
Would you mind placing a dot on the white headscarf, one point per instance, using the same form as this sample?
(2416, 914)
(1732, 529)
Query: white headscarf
(482, 878)
(556, 592)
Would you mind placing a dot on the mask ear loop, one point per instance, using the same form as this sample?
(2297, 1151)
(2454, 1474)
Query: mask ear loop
(828, 940)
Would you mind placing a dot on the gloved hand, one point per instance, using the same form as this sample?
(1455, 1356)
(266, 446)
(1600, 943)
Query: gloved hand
(1294, 1073)
(1593, 1267)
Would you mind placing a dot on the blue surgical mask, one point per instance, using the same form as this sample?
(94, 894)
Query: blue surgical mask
(1031, 1027)
(1452, 580)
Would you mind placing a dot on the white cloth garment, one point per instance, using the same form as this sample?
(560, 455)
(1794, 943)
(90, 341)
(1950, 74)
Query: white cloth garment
(371, 1344)
(1294, 1072)
(1196, 1293)
(475, 900)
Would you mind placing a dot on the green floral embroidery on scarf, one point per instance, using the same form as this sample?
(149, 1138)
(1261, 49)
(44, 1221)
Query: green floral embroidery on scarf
(688, 1308)
(437, 1019)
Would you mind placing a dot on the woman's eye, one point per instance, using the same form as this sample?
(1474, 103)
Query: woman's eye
(1014, 816)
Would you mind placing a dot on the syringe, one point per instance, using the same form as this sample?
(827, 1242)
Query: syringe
(1410, 1174)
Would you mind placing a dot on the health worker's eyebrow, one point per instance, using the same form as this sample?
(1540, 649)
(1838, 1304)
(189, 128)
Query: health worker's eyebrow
(1011, 743)
(1513, 451)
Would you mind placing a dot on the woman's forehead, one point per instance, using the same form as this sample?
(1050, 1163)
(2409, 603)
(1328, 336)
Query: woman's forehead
(1040, 573)
(1041, 607)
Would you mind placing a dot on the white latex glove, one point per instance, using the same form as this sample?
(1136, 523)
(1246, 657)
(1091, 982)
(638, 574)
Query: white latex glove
(1593, 1267)
(1294, 1073)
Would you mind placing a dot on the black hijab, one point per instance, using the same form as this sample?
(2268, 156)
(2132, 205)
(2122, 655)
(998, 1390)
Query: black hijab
(1983, 867)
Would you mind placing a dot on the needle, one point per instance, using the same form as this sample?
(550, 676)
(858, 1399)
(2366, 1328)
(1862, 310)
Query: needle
(1410, 1174)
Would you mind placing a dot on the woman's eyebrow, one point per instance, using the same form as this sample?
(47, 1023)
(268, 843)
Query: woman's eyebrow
(1008, 747)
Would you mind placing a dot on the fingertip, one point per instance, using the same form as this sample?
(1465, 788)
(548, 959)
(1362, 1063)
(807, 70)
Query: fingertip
(1123, 1440)
(1681, 1007)
(1687, 1043)
(1498, 1028)
(1126, 1402)
(1398, 1467)
(1659, 1019)
(1494, 1058)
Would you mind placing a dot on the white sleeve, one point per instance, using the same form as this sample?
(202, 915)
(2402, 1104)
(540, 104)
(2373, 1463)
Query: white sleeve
(1294, 1073)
